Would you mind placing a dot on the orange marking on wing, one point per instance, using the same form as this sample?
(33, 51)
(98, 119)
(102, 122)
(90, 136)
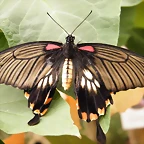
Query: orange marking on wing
(26, 95)
(101, 111)
(77, 105)
(31, 105)
(44, 112)
(47, 101)
(93, 116)
(112, 94)
(37, 111)
(84, 116)
(107, 102)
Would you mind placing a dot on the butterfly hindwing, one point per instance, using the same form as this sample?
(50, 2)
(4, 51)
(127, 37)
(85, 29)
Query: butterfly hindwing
(41, 95)
(92, 95)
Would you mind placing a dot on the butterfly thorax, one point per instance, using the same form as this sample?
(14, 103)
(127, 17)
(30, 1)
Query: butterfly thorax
(69, 47)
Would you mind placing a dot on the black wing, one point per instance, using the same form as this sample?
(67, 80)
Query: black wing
(35, 68)
(92, 94)
(119, 68)
(102, 70)
(24, 65)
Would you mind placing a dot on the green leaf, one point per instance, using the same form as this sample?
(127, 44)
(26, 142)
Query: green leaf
(126, 24)
(136, 41)
(105, 121)
(24, 21)
(139, 19)
(69, 140)
(1, 142)
(128, 3)
(3, 42)
(14, 115)
(28, 21)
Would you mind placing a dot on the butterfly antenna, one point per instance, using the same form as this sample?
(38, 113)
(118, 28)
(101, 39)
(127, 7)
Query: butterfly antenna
(82, 22)
(57, 22)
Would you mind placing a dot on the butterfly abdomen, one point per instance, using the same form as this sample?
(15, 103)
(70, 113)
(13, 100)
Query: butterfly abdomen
(67, 73)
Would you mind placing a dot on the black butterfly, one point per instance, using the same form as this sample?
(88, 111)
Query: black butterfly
(95, 70)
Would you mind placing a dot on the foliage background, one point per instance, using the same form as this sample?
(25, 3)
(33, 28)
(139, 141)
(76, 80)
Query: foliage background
(23, 21)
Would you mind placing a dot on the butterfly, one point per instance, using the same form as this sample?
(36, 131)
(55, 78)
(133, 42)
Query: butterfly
(95, 70)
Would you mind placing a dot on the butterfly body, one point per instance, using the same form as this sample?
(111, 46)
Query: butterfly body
(69, 47)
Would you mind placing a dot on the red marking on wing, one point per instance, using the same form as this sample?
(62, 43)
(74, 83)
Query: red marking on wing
(52, 46)
(87, 48)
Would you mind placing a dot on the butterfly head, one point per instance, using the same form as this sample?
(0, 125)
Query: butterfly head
(70, 39)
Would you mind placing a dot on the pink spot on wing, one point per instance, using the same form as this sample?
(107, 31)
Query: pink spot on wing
(52, 46)
(87, 48)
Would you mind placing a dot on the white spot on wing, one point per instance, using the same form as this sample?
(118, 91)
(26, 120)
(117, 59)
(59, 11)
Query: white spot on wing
(88, 85)
(97, 83)
(50, 80)
(40, 83)
(83, 82)
(94, 87)
(45, 82)
(88, 74)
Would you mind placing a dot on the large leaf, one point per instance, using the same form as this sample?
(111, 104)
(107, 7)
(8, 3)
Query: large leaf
(139, 20)
(128, 3)
(23, 21)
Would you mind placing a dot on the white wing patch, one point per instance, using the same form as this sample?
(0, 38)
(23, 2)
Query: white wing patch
(88, 74)
(88, 85)
(97, 83)
(83, 82)
(88, 81)
(50, 80)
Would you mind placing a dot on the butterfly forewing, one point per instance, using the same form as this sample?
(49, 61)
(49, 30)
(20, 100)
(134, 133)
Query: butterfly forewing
(24, 65)
(119, 69)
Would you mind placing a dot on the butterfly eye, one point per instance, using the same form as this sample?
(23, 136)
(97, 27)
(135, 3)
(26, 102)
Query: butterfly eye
(87, 48)
(52, 46)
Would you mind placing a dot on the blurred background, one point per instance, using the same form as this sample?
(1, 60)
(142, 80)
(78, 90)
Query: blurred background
(127, 114)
